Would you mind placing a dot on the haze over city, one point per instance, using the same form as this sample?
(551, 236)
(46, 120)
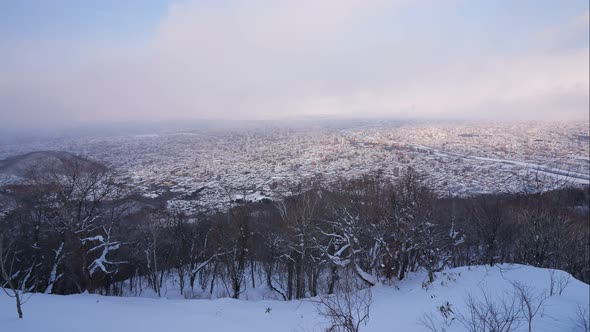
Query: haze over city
(68, 63)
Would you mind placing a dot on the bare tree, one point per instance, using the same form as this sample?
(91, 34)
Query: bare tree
(299, 215)
(151, 243)
(348, 308)
(485, 314)
(531, 302)
(582, 319)
(105, 245)
(431, 323)
(53, 275)
(558, 282)
(16, 279)
(349, 245)
(78, 199)
(232, 234)
(490, 227)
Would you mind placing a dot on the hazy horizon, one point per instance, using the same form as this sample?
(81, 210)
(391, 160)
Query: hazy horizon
(69, 64)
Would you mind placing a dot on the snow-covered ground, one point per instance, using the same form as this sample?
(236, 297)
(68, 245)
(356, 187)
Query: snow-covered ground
(394, 308)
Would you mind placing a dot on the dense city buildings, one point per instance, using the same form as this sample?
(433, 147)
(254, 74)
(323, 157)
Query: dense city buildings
(193, 169)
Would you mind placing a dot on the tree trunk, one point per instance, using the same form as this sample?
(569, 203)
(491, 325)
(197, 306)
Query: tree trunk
(191, 280)
(300, 278)
(252, 274)
(290, 279)
(18, 305)
(403, 267)
(333, 279)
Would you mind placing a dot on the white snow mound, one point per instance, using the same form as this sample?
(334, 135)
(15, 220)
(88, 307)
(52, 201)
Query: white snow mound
(396, 308)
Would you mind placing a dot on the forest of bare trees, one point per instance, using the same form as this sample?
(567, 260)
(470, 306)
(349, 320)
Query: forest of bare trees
(76, 229)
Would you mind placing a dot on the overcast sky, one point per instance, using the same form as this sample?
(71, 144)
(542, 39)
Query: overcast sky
(68, 62)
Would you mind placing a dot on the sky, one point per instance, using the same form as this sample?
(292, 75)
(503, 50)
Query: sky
(71, 62)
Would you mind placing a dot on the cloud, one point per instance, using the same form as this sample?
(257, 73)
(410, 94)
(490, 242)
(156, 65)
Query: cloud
(571, 34)
(285, 59)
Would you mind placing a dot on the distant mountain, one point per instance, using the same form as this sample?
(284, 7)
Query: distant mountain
(20, 165)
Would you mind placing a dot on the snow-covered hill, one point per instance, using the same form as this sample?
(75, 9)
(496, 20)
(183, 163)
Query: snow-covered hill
(394, 308)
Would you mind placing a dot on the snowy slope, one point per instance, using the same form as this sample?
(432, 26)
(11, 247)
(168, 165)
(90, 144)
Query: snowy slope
(394, 308)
